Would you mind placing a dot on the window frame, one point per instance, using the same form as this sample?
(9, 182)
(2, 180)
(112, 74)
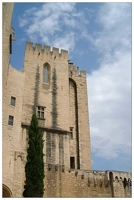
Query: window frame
(72, 162)
(46, 73)
(39, 111)
(10, 120)
(13, 99)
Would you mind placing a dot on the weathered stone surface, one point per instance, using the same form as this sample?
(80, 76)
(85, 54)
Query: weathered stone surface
(65, 107)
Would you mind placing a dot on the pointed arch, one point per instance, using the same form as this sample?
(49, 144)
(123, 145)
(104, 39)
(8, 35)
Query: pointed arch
(73, 101)
(46, 73)
(6, 192)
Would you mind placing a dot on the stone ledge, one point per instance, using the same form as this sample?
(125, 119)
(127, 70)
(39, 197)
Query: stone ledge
(48, 129)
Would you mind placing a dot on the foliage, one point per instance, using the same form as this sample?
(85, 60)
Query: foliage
(34, 169)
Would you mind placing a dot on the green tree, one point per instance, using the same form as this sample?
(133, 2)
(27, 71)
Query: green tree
(34, 169)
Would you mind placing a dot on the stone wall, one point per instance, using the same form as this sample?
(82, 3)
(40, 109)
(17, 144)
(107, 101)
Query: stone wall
(60, 180)
(7, 9)
(12, 152)
(68, 183)
(39, 93)
(64, 99)
(78, 80)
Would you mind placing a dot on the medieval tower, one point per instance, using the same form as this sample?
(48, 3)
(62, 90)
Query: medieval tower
(53, 88)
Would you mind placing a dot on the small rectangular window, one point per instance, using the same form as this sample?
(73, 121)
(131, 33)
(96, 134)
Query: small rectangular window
(13, 100)
(10, 120)
(40, 112)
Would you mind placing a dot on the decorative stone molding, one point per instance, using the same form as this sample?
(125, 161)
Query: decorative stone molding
(19, 154)
(6, 191)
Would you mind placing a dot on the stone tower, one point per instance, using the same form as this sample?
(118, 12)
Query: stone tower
(56, 86)
(56, 91)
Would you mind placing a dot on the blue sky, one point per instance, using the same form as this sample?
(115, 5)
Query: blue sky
(98, 38)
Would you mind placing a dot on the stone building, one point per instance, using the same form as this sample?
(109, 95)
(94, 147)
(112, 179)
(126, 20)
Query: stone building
(54, 88)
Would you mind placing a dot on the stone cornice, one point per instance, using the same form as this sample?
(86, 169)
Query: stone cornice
(48, 129)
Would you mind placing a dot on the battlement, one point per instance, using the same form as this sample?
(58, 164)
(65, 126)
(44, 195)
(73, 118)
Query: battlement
(90, 174)
(101, 175)
(31, 47)
(93, 174)
(74, 70)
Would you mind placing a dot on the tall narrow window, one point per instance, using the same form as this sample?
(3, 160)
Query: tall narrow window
(72, 162)
(40, 112)
(45, 74)
(10, 120)
(13, 100)
(10, 40)
(71, 132)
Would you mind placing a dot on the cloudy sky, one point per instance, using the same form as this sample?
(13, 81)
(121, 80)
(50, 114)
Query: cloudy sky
(98, 38)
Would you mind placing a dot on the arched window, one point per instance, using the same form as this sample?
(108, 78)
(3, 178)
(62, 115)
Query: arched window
(46, 73)
(6, 191)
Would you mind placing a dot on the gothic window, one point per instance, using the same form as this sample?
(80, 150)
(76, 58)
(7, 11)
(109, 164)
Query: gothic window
(13, 100)
(40, 112)
(46, 71)
(6, 192)
(10, 120)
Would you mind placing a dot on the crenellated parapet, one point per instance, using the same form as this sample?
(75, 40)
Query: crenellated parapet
(96, 178)
(85, 183)
(74, 71)
(102, 177)
(37, 51)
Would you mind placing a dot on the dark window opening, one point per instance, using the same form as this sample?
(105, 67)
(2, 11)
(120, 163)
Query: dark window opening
(10, 40)
(10, 120)
(40, 112)
(72, 162)
(13, 100)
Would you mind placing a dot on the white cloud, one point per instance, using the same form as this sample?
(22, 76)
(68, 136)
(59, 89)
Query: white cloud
(66, 42)
(109, 88)
(115, 19)
(22, 22)
(54, 24)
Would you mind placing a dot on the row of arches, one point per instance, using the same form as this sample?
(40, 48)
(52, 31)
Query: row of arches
(126, 184)
(116, 178)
